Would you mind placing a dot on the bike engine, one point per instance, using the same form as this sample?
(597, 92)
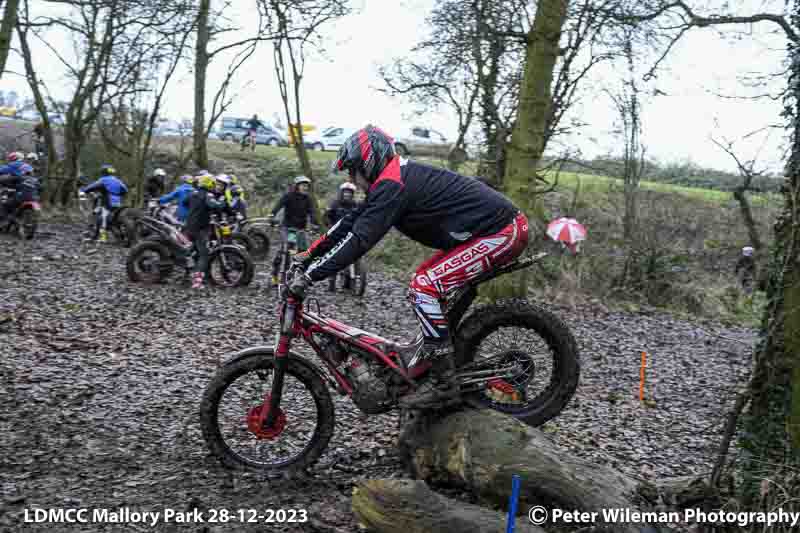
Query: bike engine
(371, 392)
(370, 379)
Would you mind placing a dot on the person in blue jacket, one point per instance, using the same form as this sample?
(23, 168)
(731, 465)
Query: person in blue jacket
(15, 160)
(113, 191)
(181, 197)
(27, 188)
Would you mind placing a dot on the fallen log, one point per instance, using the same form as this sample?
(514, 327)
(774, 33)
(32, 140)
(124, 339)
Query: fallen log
(480, 451)
(404, 506)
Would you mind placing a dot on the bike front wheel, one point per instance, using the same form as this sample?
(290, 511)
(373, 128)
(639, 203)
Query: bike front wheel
(230, 266)
(232, 416)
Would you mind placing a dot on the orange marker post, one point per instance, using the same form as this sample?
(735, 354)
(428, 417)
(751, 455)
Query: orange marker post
(641, 376)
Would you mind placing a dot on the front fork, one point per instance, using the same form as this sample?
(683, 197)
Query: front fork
(281, 360)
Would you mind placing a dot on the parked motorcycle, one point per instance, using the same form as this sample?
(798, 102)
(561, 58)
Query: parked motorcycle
(258, 236)
(296, 240)
(270, 409)
(153, 260)
(120, 225)
(224, 233)
(352, 279)
(24, 220)
(140, 230)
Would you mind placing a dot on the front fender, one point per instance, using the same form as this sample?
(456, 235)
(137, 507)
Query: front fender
(265, 351)
(220, 248)
(269, 351)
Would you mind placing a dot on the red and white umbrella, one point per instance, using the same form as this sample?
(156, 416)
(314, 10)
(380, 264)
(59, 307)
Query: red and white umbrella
(566, 230)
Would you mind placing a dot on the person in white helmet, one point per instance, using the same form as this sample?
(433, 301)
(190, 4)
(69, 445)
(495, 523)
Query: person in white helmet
(345, 203)
(298, 209)
(155, 186)
(746, 269)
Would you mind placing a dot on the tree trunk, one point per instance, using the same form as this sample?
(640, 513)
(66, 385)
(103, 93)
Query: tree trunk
(528, 137)
(481, 450)
(300, 148)
(535, 99)
(71, 165)
(770, 435)
(6, 29)
(200, 69)
(402, 506)
(41, 106)
(747, 216)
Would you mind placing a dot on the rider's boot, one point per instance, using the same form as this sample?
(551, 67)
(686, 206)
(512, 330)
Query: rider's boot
(439, 387)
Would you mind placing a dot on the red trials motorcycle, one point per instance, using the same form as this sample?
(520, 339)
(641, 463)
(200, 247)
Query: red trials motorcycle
(269, 409)
(24, 220)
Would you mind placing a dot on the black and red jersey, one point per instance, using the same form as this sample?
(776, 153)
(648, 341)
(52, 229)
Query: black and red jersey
(433, 206)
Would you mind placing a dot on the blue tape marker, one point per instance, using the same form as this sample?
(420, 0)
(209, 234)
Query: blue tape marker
(512, 503)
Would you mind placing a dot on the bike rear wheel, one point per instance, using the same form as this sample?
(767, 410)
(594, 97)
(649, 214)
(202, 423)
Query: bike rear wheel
(353, 279)
(536, 344)
(232, 411)
(260, 242)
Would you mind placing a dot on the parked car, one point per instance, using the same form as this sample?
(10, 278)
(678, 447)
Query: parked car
(331, 138)
(421, 141)
(30, 115)
(233, 129)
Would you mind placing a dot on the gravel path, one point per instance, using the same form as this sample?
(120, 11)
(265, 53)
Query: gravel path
(101, 381)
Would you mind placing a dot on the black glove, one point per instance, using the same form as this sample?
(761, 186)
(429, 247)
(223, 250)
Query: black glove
(299, 284)
(301, 260)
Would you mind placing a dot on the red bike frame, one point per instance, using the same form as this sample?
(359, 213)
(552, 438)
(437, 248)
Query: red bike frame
(294, 321)
(297, 322)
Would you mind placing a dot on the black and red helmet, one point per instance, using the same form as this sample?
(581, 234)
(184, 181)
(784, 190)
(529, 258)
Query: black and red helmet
(368, 151)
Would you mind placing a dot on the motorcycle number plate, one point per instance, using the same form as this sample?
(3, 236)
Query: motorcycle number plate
(226, 231)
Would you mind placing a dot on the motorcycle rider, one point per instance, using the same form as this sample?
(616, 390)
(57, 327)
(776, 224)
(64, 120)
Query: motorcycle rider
(201, 202)
(27, 188)
(252, 127)
(344, 203)
(745, 269)
(297, 210)
(154, 187)
(237, 206)
(232, 180)
(181, 197)
(113, 191)
(474, 228)
(14, 162)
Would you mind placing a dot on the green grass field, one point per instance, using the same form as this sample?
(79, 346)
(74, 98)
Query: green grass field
(567, 181)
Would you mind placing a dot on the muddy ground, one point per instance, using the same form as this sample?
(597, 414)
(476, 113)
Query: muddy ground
(101, 382)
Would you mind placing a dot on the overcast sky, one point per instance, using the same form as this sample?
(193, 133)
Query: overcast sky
(339, 89)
